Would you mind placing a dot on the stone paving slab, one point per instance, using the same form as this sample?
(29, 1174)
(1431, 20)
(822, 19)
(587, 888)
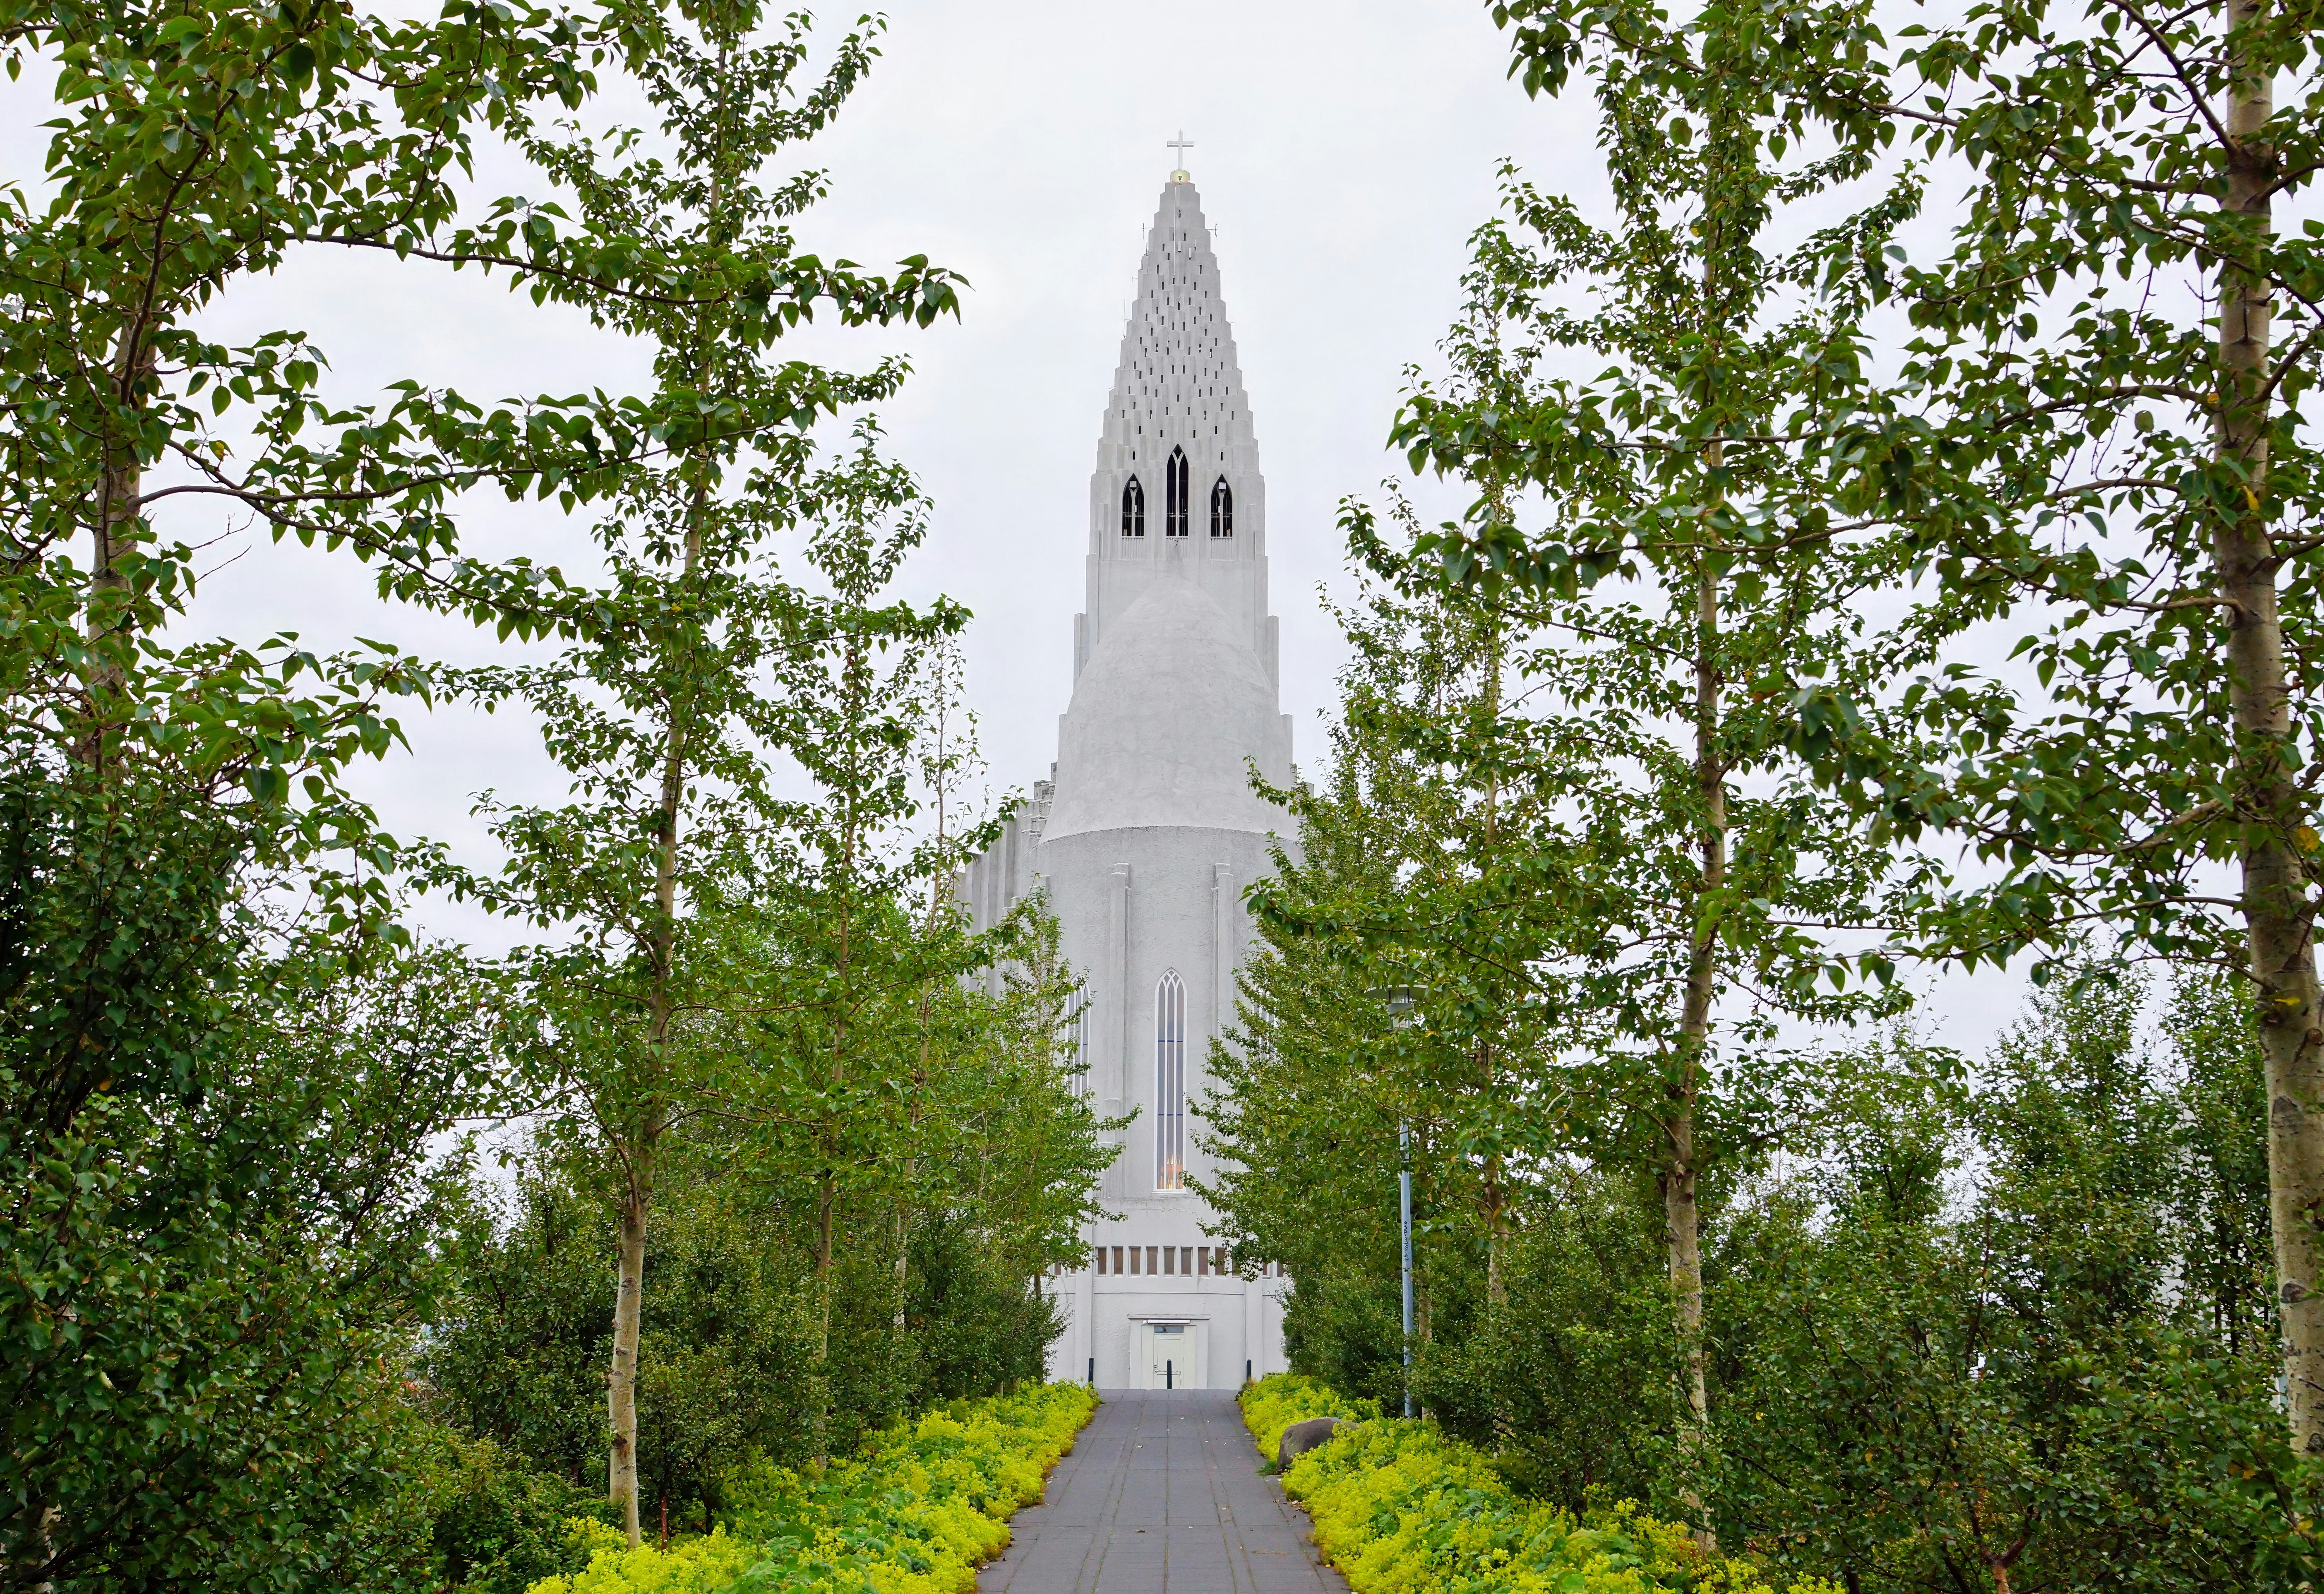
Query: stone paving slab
(1161, 1495)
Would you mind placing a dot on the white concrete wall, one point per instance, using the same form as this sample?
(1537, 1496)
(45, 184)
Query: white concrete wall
(1181, 891)
(1149, 834)
(1243, 1319)
(1166, 722)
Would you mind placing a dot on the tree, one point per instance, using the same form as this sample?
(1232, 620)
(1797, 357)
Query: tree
(877, 1090)
(518, 1356)
(163, 800)
(2096, 448)
(1688, 572)
(865, 679)
(2225, 1255)
(661, 710)
(1315, 1077)
(209, 1287)
(1962, 1348)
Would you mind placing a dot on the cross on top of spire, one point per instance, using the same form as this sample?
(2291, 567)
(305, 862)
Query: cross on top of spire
(1181, 143)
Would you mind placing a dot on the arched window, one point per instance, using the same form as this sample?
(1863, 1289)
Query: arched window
(1222, 509)
(1177, 501)
(1170, 1083)
(1133, 509)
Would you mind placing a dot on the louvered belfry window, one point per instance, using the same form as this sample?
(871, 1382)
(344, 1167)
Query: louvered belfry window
(1170, 1083)
(1133, 509)
(1178, 501)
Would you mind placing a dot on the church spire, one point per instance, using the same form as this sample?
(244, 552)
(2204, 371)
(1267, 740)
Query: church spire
(1178, 386)
(1177, 499)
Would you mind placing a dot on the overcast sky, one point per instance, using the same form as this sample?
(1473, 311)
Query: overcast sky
(1343, 151)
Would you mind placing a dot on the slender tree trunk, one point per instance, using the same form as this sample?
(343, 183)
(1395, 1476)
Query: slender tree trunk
(1680, 1219)
(900, 1339)
(2277, 909)
(1497, 1288)
(1496, 1198)
(1494, 1195)
(661, 942)
(941, 783)
(119, 491)
(621, 1380)
(1496, 1205)
(114, 530)
(903, 1265)
(637, 1186)
(856, 674)
(903, 1271)
(825, 1243)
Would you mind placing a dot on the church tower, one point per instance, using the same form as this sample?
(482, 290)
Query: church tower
(1147, 834)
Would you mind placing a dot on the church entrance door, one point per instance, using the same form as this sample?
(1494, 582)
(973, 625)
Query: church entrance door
(1171, 1355)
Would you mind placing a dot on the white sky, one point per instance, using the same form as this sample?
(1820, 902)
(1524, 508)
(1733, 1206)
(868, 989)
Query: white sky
(1343, 151)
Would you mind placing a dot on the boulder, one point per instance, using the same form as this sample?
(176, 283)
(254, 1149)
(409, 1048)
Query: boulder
(1302, 1437)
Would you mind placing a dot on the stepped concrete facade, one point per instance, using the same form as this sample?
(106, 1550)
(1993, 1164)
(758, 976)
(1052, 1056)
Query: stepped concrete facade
(1147, 833)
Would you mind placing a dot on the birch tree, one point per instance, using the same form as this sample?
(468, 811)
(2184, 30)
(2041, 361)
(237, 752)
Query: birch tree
(666, 712)
(1681, 570)
(165, 793)
(2096, 451)
(858, 1099)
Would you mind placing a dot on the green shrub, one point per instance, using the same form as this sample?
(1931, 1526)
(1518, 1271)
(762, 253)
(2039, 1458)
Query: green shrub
(1402, 1508)
(975, 1326)
(497, 1526)
(691, 1566)
(1280, 1399)
(731, 1333)
(922, 1507)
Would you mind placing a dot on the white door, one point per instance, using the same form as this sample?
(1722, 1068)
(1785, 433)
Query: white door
(1171, 1356)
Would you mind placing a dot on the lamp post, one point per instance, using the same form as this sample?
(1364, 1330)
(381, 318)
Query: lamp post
(1397, 999)
(1403, 1221)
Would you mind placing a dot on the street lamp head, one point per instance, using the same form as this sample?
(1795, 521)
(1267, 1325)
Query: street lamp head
(1397, 999)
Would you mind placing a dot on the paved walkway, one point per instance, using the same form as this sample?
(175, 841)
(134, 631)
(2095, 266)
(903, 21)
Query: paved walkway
(1161, 1495)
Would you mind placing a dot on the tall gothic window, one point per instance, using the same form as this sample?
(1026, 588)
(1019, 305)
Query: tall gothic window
(1222, 509)
(1170, 1083)
(1080, 1060)
(1177, 501)
(1133, 509)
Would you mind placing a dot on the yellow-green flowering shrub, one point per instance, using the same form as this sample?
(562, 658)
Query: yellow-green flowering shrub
(690, 1566)
(1279, 1399)
(1400, 1508)
(916, 1513)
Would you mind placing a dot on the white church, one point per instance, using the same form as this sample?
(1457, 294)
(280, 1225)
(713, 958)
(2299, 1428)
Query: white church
(1147, 833)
